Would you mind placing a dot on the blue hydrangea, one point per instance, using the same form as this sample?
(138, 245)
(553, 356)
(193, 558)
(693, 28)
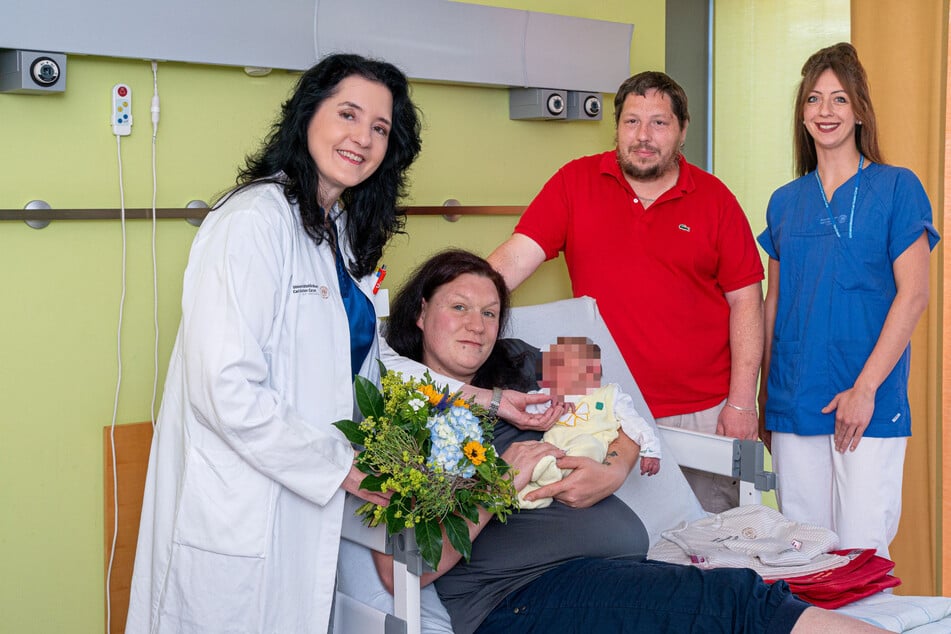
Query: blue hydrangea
(449, 430)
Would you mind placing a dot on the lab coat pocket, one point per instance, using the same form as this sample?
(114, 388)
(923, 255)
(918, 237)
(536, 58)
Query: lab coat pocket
(226, 505)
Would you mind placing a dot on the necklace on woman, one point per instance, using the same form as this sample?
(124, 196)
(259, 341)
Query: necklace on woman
(855, 194)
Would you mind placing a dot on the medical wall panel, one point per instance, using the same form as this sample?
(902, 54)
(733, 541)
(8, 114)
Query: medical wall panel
(435, 40)
(576, 54)
(276, 34)
(430, 39)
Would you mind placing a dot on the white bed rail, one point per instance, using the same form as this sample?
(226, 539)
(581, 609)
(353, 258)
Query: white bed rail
(351, 616)
(720, 455)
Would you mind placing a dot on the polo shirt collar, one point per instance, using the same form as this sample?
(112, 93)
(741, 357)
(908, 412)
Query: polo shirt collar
(611, 167)
(685, 180)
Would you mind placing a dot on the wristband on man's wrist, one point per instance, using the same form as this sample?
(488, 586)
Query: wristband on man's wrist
(740, 409)
(496, 401)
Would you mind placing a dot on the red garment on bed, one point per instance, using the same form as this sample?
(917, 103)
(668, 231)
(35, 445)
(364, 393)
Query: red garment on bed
(865, 574)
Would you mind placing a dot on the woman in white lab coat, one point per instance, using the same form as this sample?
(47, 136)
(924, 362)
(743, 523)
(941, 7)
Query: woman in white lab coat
(244, 497)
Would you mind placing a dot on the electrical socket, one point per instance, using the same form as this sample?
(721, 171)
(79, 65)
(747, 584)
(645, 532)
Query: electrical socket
(584, 106)
(32, 72)
(537, 103)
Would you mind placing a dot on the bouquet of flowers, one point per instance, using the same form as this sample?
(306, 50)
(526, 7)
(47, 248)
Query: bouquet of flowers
(433, 450)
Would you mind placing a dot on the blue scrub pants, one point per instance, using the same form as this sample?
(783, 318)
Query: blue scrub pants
(626, 595)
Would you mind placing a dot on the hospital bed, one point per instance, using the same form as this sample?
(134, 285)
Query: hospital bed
(662, 501)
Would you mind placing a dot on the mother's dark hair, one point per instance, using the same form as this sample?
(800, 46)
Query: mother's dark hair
(405, 337)
(372, 213)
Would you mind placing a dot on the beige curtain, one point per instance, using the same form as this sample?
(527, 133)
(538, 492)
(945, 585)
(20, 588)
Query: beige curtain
(903, 46)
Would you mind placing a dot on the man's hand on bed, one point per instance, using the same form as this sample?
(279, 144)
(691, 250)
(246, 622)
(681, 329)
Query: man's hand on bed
(512, 409)
(736, 424)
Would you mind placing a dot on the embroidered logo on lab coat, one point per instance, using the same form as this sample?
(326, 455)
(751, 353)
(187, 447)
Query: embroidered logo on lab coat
(311, 289)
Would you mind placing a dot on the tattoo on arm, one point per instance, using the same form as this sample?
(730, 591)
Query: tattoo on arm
(610, 454)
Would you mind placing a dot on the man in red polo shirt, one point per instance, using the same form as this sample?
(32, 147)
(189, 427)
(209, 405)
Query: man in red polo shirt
(668, 254)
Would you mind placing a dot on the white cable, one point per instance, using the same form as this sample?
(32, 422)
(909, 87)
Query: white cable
(155, 314)
(115, 406)
(316, 43)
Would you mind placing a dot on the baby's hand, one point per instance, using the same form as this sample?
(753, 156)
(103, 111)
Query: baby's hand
(650, 466)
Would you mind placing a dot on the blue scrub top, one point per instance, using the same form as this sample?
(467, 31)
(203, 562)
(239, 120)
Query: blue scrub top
(834, 294)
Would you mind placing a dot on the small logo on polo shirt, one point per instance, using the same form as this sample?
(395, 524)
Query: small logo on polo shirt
(683, 227)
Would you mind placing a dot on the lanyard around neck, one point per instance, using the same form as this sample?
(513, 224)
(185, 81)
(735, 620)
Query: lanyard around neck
(855, 195)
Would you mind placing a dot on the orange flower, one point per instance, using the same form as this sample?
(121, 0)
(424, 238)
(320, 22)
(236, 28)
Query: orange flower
(475, 452)
(460, 402)
(431, 393)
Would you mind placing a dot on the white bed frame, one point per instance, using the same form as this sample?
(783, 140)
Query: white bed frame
(743, 460)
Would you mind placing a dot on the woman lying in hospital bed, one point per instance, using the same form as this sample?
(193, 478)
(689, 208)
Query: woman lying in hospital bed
(562, 568)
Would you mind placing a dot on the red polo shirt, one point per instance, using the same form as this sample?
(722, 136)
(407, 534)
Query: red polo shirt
(658, 274)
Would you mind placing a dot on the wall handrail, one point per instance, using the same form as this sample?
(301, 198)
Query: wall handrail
(196, 214)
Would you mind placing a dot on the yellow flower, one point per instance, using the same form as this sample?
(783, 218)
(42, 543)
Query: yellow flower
(431, 393)
(460, 402)
(475, 452)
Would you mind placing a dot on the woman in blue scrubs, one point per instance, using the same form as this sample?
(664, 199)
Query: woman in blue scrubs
(848, 244)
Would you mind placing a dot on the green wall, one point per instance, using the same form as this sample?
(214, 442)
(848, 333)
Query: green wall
(60, 286)
(759, 49)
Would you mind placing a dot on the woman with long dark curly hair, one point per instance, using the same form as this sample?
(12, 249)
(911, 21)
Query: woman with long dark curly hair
(244, 499)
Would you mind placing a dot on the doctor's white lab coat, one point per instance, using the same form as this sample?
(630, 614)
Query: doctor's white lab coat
(242, 509)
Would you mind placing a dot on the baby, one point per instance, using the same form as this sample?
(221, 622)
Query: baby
(571, 371)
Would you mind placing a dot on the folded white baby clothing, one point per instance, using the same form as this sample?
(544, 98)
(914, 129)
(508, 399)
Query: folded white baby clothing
(753, 536)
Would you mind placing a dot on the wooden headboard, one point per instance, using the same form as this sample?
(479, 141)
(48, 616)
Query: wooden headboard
(132, 442)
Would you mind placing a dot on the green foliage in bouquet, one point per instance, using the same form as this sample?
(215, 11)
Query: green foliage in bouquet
(433, 450)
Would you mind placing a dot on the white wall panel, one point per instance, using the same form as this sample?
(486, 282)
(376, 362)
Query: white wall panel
(434, 40)
(276, 34)
(575, 54)
(429, 39)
